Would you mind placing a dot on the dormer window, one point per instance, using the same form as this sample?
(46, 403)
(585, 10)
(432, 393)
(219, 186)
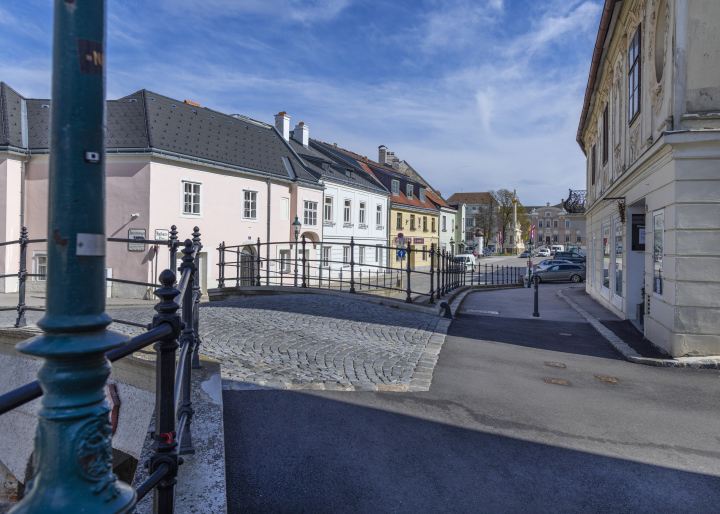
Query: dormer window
(422, 194)
(396, 188)
(409, 191)
(547, 214)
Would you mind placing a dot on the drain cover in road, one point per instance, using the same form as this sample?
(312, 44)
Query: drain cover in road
(612, 380)
(555, 364)
(557, 381)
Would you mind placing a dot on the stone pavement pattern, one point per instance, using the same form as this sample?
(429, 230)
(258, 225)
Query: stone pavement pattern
(308, 341)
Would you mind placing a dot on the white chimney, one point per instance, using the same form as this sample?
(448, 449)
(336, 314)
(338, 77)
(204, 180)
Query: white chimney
(382, 152)
(282, 123)
(301, 134)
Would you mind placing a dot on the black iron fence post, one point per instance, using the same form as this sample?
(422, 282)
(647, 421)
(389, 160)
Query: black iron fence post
(187, 337)
(408, 299)
(432, 256)
(438, 273)
(196, 303)
(352, 264)
(267, 263)
(221, 256)
(22, 278)
(173, 246)
(164, 443)
(237, 266)
(492, 274)
(536, 314)
(257, 271)
(304, 284)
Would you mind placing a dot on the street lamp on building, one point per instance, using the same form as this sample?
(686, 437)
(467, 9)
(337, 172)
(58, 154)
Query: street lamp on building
(296, 227)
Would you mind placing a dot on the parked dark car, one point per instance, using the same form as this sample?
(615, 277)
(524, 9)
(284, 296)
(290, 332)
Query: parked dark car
(560, 272)
(570, 256)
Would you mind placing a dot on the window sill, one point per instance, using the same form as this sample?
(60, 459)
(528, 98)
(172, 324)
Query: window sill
(187, 215)
(362, 227)
(348, 225)
(379, 227)
(328, 224)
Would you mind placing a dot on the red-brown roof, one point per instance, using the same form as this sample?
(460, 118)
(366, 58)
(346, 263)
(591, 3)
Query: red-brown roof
(437, 200)
(472, 198)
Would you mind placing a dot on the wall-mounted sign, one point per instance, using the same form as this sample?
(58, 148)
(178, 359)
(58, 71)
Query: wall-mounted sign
(138, 234)
(162, 234)
(638, 233)
(419, 240)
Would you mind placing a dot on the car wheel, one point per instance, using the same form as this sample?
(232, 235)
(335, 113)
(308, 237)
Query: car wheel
(576, 278)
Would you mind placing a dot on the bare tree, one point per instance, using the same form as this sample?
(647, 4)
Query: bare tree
(486, 220)
(505, 215)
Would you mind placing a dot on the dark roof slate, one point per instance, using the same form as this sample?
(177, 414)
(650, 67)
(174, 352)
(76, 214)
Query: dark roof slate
(146, 120)
(337, 169)
(10, 116)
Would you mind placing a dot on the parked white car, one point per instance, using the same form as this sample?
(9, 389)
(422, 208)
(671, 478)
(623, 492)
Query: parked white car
(468, 260)
(543, 252)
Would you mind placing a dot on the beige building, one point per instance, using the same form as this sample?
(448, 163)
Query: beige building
(650, 128)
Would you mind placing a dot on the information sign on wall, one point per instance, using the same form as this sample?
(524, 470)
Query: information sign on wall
(638, 233)
(162, 234)
(139, 234)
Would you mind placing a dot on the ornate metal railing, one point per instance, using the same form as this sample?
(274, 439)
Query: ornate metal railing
(169, 332)
(255, 265)
(22, 275)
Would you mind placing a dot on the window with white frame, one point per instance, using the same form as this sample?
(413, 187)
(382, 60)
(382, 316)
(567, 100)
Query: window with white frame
(284, 261)
(422, 194)
(444, 223)
(361, 255)
(309, 213)
(40, 266)
(452, 224)
(250, 205)
(378, 215)
(328, 210)
(555, 223)
(361, 214)
(567, 223)
(540, 223)
(399, 220)
(409, 191)
(395, 188)
(606, 244)
(191, 198)
(347, 211)
(346, 255)
(378, 253)
(618, 258)
(326, 256)
(658, 251)
(567, 239)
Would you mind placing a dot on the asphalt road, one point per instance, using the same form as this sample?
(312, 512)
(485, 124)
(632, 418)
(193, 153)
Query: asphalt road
(491, 435)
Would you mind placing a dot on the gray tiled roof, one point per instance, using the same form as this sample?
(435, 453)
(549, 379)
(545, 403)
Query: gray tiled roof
(146, 120)
(10, 116)
(336, 170)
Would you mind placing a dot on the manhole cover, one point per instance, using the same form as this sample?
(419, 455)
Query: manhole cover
(555, 364)
(612, 380)
(557, 381)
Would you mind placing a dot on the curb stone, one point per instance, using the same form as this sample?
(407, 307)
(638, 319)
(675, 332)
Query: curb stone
(633, 356)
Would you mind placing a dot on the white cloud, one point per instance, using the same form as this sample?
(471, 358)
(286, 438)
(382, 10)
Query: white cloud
(303, 11)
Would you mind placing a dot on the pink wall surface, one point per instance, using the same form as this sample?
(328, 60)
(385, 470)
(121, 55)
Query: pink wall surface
(10, 171)
(153, 189)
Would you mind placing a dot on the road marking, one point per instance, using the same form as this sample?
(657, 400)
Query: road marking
(481, 312)
(563, 334)
(555, 364)
(557, 381)
(612, 380)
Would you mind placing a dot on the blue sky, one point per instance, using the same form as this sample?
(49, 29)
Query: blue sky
(475, 95)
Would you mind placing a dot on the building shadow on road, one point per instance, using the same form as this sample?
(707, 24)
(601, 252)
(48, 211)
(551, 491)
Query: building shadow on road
(326, 306)
(558, 336)
(296, 452)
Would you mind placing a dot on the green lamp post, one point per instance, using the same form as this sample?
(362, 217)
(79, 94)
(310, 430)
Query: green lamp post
(73, 453)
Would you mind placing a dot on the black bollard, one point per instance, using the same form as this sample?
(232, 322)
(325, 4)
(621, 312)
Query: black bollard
(536, 314)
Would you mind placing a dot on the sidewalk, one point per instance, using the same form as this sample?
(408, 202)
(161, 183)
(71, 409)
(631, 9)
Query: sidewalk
(33, 299)
(625, 337)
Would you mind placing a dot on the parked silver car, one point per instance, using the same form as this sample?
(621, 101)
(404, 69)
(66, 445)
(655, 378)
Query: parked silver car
(560, 272)
(546, 263)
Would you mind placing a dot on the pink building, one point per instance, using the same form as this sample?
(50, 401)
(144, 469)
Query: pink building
(169, 162)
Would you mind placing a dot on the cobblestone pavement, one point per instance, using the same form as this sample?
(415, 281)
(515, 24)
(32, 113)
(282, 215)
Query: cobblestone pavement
(309, 342)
